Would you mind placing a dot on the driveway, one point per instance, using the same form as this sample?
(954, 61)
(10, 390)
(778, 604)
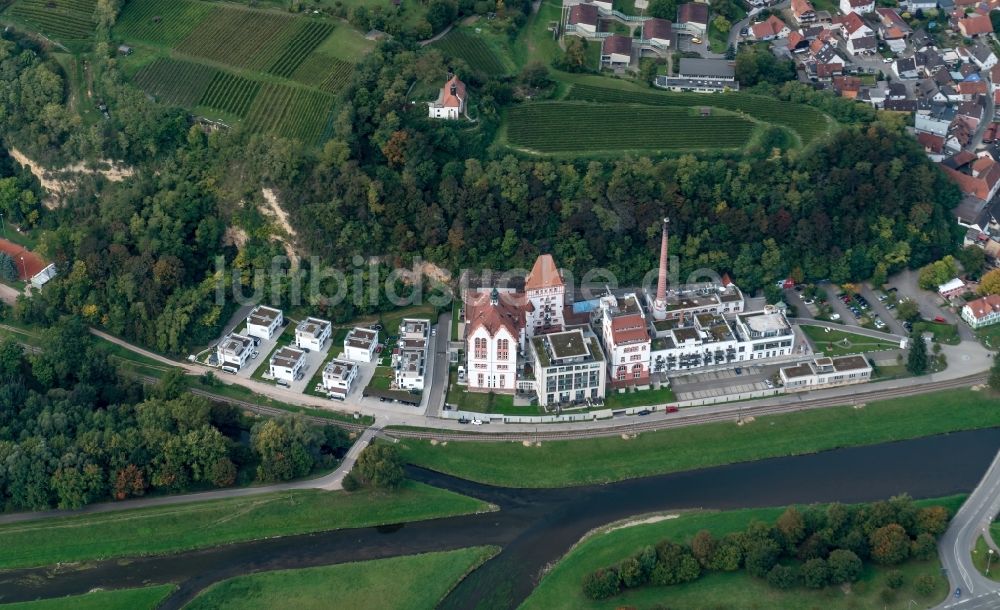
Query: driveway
(802, 310)
(893, 325)
(929, 303)
(438, 363)
(838, 306)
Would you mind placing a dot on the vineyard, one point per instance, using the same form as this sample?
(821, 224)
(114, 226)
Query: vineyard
(165, 22)
(474, 51)
(230, 93)
(65, 20)
(302, 44)
(558, 127)
(806, 121)
(327, 73)
(172, 81)
(254, 40)
(292, 112)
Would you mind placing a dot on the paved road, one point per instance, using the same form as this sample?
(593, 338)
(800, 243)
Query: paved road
(329, 482)
(955, 547)
(438, 374)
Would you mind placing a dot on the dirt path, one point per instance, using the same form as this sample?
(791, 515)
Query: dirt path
(275, 211)
(58, 187)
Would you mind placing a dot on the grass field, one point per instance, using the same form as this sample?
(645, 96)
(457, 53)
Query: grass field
(561, 586)
(659, 396)
(402, 583)
(566, 463)
(943, 332)
(473, 50)
(62, 20)
(807, 122)
(145, 598)
(840, 343)
(166, 529)
(565, 127)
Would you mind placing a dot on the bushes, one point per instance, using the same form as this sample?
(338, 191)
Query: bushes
(811, 547)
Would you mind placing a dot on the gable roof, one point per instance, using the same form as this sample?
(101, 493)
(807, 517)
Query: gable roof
(852, 23)
(975, 24)
(931, 142)
(984, 306)
(481, 313)
(802, 7)
(616, 44)
(544, 274)
(771, 27)
(448, 99)
(693, 12)
(657, 28)
(585, 14)
(978, 186)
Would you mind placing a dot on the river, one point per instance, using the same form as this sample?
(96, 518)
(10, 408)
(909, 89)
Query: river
(536, 527)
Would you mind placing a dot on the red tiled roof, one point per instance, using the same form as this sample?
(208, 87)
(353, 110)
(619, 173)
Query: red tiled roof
(657, 28)
(852, 23)
(846, 84)
(583, 13)
(976, 24)
(629, 328)
(616, 44)
(801, 7)
(859, 3)
(768, 28)
(828, 70)
(794, 40)
(507, 313)
(978, 187)
(693, 12)
(449, 100)
(544, 274)
(931, 142)
(995, 74)
(982, 307)
(973, 87)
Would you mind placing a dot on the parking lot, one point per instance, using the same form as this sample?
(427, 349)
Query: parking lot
(693, 386)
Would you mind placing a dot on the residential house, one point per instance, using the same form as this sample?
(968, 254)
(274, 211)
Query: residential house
(286, 364)
(233, 352)
(360, 344)
(849, 7)
(659, 32)
(450, 103)
(569, 367)
(616, 51)
(626, 341)
(694, 17)
(546, 297)
(583, 18)
(952, 288)
(312, 333)
(975, 25)
(264, 322)
(970, 90)
(847, 86)
(962, 130)
(797, 43)
(338, 376)
(769, 29)
(926, 123)
(982, 55)
(933, 145)
(865, 45)
(409, 358)
(494, 332)
(978, 177)
(825, 373)
(983, 311)
(803, 11)
(897, 91)
(907, 106)
(853, 26)
(905, 67)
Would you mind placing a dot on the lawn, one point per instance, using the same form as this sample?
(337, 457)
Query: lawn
(841, 343)
(570, 127)
(561, 586)
(145, 598)
(578, 462)
(263, 362)
(170, 529)
(486, 402)
(409, 582)
(943, 332)
(982, 559)
(616, 400)
(990, 336)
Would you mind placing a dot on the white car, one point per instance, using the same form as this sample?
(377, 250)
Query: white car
(809, 301)
(888, 60)
(835, 316)
(477, 422)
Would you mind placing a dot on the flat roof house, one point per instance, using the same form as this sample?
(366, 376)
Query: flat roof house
(234, 351)
(264, 322)
(360, 344)
(951, 288)
(312, 333)
(982, 312)
(825, 372)
(569, 367)
(338, 376)
(409, 359)
(286, 364)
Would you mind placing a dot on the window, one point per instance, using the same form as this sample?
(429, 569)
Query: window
(636, 371)
(480, 347)
(503, 381)
(480, 384)
(503, 347)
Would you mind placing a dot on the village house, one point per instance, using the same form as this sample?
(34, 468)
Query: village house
(450, 103)
(694, 17)
(803, 11)
(853, 26)
(264, 322)
(312, 333)
(286, 365)
(233, 352)
(360, 344)
(616, 51)
(857, 6)
(978, 177)
(975, 25)
(658, 32)
(847, 86)
(865, 45)
(982, 55)
(569, 367)
(583, 18)
(769, 29)
(338, 376)
(983, 311)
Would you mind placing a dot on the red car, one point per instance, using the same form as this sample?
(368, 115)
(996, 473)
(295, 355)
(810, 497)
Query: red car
(939, 320)
(672, 409)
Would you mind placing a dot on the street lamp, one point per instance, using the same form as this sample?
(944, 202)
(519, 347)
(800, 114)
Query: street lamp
(25, 265)
(989, 560)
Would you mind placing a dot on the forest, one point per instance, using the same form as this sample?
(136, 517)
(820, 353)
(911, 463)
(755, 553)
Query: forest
(74, 431)
(139, 257)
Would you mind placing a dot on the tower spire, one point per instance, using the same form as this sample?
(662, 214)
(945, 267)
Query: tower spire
(660, 304)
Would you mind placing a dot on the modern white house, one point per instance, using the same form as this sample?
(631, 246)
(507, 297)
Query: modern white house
(338, 376)
(264, 322)
(409, 359)
(286, 364)
(360, 344)
(234, 351)
(825, 372)
(568, 367)
(313, 333)
(983, 311)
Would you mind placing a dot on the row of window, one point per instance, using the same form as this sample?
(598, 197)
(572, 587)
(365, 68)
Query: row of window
(481, 346)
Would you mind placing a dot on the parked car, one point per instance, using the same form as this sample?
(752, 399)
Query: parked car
(739, 371)
(254, 354)
(463, 420)
(809, 301)
(477, 422)
(939, 319)
(835, 316)
(644, 412)
(672, 409)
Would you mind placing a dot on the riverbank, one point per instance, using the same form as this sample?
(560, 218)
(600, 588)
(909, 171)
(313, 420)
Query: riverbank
(561, 587)
(146, 598)
(602, 460)
(411, 582)
(170, 529)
